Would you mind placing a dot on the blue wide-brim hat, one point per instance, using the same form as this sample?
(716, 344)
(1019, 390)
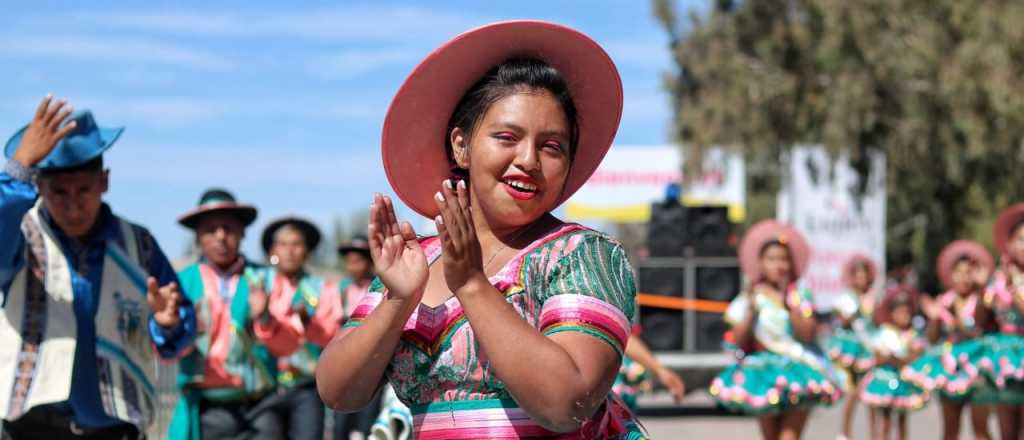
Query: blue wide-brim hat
(87, 142)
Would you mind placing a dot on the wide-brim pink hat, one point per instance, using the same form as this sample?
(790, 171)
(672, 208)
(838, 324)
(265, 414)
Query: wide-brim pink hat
(413, 141)
(956, 250)
(1003, 227)
(853, 262)
(767, 231)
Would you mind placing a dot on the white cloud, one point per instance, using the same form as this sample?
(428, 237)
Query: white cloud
(358, 111)
(355, 62)
(652, 53)
(105, 50)
(154, 112)
(646, 106)
(384, 23)
(323, 166)
(172, 112)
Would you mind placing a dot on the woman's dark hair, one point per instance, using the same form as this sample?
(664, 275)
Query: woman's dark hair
(965, 258)
(861, 264)
(769, 244)
(895, 297)
(510, 77)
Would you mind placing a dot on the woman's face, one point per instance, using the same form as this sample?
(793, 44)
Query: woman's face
(358, 265)
(518, 158)
(962, 277)
(902, 316)
(776, 265)
(861, 278)
(290, 249)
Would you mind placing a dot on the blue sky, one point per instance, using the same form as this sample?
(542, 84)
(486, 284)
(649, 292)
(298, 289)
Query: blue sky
(282, 105)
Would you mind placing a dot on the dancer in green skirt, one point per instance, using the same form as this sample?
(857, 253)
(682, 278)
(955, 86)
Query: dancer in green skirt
(963, 268)
(896, 344)
(999, 355)
(780, 373)
(848, 345)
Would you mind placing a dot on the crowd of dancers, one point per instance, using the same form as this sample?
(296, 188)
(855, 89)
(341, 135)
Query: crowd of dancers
(967, 351)
(508, 323)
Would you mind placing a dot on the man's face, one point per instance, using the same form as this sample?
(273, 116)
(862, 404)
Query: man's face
(74, 199)
(219, 236)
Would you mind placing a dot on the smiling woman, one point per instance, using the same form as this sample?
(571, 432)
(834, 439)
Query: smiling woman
(527, 111)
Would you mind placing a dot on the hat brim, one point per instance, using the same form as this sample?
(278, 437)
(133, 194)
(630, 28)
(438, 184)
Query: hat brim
(772, 230)
(245, 213)
(108, 136)
(351, 246)
(1003, 227)
(412, 144)
(853, 262)
(311, 234)
(956, 250)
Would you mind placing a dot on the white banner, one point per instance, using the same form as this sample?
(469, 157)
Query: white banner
(631, 177)
(820, 198)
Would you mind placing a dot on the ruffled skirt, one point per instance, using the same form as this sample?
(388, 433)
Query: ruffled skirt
(938, 371)
(765, 382)
(883, 388)
(847, 350)
(997, 360)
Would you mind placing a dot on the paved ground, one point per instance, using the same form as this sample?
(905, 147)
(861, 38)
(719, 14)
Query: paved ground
(696, 422)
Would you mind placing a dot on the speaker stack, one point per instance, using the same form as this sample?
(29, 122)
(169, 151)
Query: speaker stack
(690, 257)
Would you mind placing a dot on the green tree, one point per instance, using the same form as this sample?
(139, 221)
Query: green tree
(937, 85)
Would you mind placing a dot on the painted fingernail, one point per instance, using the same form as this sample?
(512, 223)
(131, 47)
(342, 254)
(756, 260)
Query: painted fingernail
(439, 197)
(462, 184)
(448, 183)
(439, 220)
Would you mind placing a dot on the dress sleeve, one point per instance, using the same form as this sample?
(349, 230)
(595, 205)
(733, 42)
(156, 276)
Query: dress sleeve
(847, 305)
(17, 195)
(588, 288)
(366, 305)
(738, 309)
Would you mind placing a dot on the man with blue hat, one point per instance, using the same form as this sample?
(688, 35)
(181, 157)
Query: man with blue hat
(89, 299)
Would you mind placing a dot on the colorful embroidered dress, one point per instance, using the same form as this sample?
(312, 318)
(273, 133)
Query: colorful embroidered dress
(848, 346)
(883, 387)
(322, 304)
(937, 368)
(573, 280)
(780, 373)
(234, 358)
(998, 357)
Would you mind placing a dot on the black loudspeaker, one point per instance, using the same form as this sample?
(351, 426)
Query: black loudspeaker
(718, 283)
(662, 328)
(666, 232)
(714, 284)
(707, 230)
(710, 330)
(661, 281)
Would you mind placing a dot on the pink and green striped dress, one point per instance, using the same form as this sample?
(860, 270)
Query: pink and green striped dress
(572, 280)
